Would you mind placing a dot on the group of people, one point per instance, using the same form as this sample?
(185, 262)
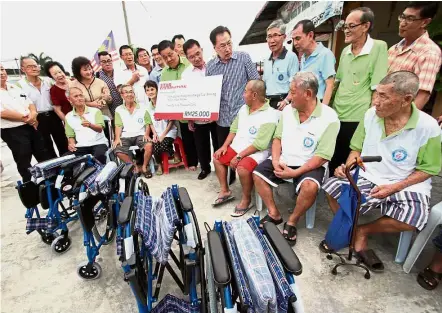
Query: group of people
(301, 120)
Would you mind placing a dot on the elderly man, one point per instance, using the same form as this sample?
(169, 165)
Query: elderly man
(84, 128)
(132, 126)
(303, 143)
(37, 89)
(247, 144)
(203, 130)
(417, 52)
(362, 65)
(107, 74)
(132, 74)
(19, 126)
(279, 67)
(315, 58)
(409, 142)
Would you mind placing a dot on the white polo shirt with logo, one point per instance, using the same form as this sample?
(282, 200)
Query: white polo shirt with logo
(417, 146)
(256, 128)
(134, 124)
(85, 136)
(316, 136)
(13, 99)
(123, 75)
(41, 98)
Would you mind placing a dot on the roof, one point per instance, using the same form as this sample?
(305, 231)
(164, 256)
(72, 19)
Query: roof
(257, 31)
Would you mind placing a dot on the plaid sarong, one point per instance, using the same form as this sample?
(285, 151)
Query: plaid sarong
(283, 289)
(40, 224)
(171, 304)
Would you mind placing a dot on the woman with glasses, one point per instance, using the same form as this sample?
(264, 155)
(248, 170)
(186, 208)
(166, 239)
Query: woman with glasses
(61, 104)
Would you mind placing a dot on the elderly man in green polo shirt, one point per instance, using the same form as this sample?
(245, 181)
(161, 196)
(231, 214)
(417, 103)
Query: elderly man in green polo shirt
(84, 128)
(176, 66)
(362, 65)
(409, 142)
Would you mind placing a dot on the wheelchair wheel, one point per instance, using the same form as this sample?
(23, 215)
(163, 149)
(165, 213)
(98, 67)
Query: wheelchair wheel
(61, 244)
(214, 305)
(48, 238)
(104, 224)
(91, 272)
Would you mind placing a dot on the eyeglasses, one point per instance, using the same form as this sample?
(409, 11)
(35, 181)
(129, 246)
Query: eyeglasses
(106, 61)
(351, 27)
(271, 36)
(408, 18)
(225, 45)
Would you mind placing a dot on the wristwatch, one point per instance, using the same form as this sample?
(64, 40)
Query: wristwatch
(238, 157)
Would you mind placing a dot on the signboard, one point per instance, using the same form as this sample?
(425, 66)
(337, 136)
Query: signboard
(189, 99)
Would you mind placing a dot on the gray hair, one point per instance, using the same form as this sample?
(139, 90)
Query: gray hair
(404, 82)
(278, 24)
(366, 17)
(68, 91)
(306, 80)
(258, 86)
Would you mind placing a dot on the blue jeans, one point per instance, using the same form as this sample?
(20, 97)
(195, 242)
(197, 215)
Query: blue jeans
(438, 242)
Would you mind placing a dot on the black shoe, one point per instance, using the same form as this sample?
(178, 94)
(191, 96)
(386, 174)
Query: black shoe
(203, 174)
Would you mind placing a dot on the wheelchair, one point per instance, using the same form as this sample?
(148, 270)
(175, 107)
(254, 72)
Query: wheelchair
(249, 269)
(106, 193)
(54, 181)
(149, 227)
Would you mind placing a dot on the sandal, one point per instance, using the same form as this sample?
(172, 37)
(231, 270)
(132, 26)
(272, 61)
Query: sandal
(429, 279)
(269, 219)
(159, 170)
(291, 232)
(238, 212)
(323, 247)
(371, 260)
(224, 199)
(147, 174)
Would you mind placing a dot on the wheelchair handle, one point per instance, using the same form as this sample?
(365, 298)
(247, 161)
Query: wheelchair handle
(368, 159)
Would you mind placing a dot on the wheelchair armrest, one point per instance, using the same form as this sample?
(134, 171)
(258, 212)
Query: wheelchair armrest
(125, 210)
(287, 256)
(80, 179)
(126, 171)
(221, 273)
(186, 203)
(73, 162)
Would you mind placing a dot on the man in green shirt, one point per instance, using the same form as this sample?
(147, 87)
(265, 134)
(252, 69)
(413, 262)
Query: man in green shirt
(176, 66)
(362, 65)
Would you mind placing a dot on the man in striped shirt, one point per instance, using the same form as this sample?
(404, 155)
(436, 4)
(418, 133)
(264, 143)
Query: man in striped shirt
(417, 53)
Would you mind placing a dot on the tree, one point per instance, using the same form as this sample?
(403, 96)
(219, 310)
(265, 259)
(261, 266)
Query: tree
(42, 60)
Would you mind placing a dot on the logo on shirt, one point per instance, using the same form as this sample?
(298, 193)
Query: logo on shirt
(280, 77)
(252, 130)
(308, 142)
(140, 120)
(399, 155)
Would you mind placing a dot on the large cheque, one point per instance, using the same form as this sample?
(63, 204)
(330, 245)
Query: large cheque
(190, 99)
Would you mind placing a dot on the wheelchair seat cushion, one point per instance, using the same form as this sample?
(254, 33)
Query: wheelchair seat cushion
(221, 273)
(288, 257)
(262, 288)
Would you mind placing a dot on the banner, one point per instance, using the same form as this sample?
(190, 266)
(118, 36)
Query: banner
(189, 99)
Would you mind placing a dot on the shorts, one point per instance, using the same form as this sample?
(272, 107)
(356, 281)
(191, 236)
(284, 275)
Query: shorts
(248, 163)
(265, 171)
(126, 143)
(409, 207)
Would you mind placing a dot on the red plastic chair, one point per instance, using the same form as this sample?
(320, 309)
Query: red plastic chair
(179, 147)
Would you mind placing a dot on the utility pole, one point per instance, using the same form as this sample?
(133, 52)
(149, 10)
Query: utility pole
(125, 21)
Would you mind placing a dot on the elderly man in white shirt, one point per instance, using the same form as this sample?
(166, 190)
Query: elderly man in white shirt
(18, 126)
(202, 129)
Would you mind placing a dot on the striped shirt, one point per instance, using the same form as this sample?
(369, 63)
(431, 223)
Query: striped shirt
(422, 57)
(236, 73)
(116, 97)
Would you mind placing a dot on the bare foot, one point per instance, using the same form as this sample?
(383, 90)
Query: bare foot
(192, 168)
(144, 169)
(360, 240)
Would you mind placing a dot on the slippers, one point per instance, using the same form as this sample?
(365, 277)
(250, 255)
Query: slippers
(429, 279)
(238, 212)
(268, 219)
(147, 174)
(323, 247)
(371, 260)
(291, 232)
(222, 200)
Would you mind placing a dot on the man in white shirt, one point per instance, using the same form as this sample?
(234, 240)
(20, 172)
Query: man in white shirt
(37, 88)
(132, 74)
(202, 129)
(18, 126)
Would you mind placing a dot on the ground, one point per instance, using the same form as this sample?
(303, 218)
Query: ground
(34, 279)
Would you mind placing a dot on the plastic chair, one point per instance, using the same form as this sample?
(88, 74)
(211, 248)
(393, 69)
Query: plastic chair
(309, 215)
(434, 220)
(179, 147)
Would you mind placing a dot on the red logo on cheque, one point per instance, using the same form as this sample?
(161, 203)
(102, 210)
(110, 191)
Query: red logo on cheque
(169, 86)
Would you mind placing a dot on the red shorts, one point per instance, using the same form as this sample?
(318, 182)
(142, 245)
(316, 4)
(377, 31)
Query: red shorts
(248, 163)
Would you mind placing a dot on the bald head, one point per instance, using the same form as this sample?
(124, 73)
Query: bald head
(75, 96)
(258, 86)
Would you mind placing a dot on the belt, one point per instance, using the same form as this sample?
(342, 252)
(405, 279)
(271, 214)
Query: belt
(45, 113)
(276, 97)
